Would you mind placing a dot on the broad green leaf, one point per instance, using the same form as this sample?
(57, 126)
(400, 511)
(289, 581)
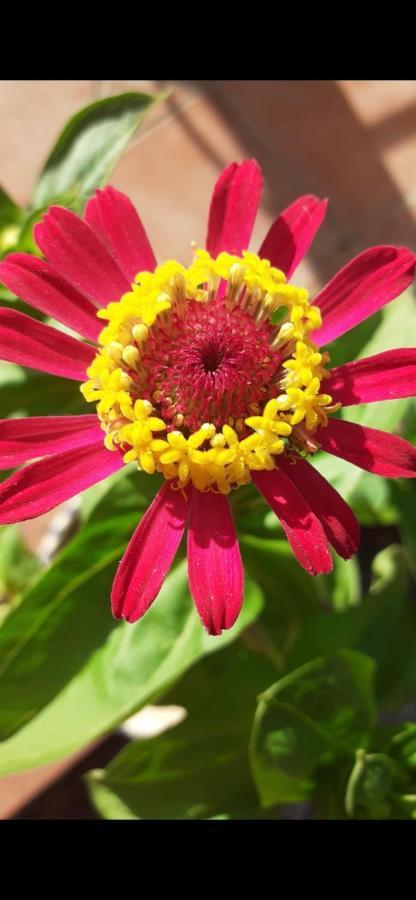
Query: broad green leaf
(383, 627)
(289, 595)
(373, 502)
(18, 567)
(70, 668)
(25, 392)
(307, 719)
(389, 632)
(199, 769)
(344, 584)
(403, 494)
(284, 582)
(90, 145)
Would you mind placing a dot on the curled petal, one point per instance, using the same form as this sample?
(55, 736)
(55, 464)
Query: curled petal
(233, 208)
(302, 527)
(27, 342)
(368, 448)
(361, 288)
(215, 570)
(114, 219)
(337, 519)
(149, 554)
(42, 485)
(386, 376)
(37, 283)
(291, 235)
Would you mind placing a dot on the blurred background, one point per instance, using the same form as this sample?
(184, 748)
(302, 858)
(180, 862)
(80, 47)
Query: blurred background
(351, 141)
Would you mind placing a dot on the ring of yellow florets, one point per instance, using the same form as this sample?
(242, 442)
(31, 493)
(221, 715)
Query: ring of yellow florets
(210, 458)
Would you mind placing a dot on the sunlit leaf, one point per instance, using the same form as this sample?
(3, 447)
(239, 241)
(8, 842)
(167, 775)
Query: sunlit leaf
(90, 145)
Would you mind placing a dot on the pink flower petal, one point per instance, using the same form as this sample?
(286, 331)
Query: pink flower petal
(25, 439)
(215, 571)
(336, 517)
(361, 288)
(42, 485)
(114, 219)
(386, 376)
(370, 449)
(79, 256)
(290, 237)
(27, 342)
(36, 282)
(302, 527)
(149, 554)
(233, 209)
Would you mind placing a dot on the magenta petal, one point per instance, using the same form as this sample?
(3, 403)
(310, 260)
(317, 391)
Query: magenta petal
(215, 571)
(386, 376)
(361, 288)
(114, 219)
(25, 439)
(336, 517)
(36, 282)
(149, 554)
(290, 237)
(233, 208)
(42, 485)
(79, 256)
(27, 342)
(302, 527)
(370, 449)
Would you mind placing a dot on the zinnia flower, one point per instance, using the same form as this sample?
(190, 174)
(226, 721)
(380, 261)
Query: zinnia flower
(212, 375)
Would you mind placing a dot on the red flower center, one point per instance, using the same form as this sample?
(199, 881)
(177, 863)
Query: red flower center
(216, 365)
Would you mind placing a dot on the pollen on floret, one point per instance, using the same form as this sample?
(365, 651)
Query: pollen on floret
(196, 380)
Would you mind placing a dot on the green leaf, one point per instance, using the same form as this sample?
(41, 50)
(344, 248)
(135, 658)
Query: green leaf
(370, 784)
(10, 218)
(69, 672)
(25, 392)
(90, 145)
(285, 584)
(106, 800)
(389, 632)
(289, 593)
(344, 584)
(18, 567)
(199, 769)
(403, 495)
(307, 719)
(26, 241)
(10, 212)
(403, 745)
